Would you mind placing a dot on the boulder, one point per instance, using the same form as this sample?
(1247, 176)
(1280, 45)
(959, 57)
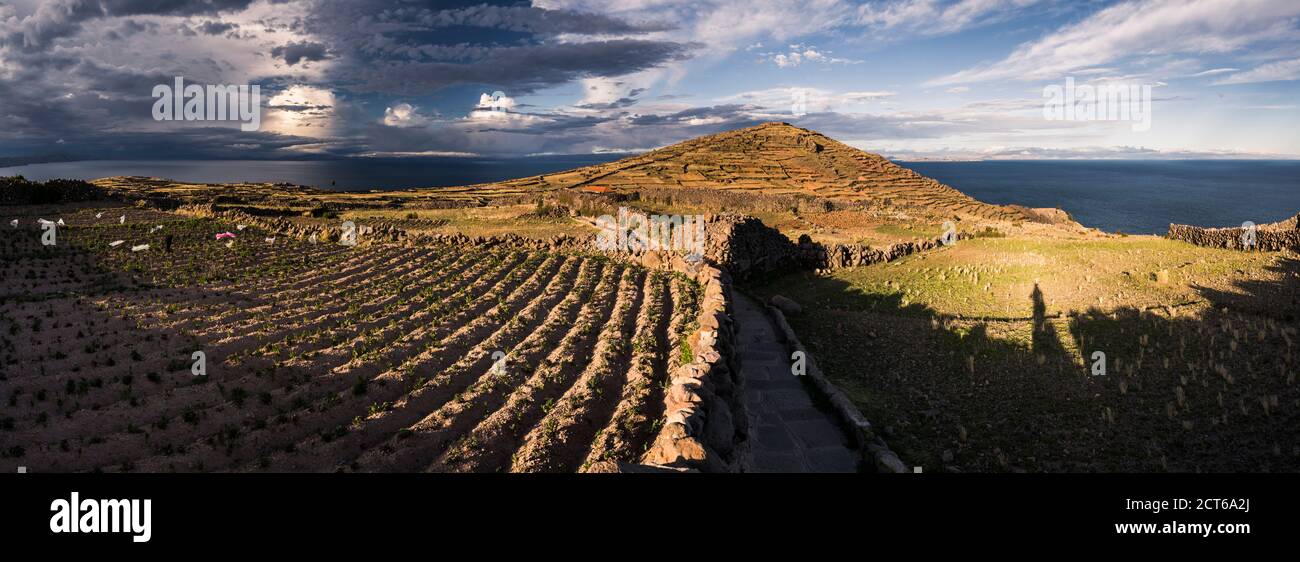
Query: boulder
(785, 305)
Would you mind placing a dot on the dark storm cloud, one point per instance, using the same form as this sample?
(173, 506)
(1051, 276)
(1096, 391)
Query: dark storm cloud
(73, 79)
(565, 133)
(216, 27)
(293, 53)
(190, 142)
(524, 69)
(409, 49)
(552, 124)
(61, 18)
(525, 19)
(725, 113)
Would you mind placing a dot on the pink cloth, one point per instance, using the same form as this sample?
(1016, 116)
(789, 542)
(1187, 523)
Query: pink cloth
(225, 235)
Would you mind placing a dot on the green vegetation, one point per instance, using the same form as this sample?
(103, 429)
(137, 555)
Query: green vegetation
(979, 357)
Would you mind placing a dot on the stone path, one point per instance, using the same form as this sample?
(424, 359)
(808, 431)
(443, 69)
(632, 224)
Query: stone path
(788, 431)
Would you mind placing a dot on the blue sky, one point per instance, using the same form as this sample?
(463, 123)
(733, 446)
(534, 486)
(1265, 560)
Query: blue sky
(906, 78)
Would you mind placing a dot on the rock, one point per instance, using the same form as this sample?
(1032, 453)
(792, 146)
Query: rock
(685, 451)
(947, 456)
(720, 430)
(604, 467)
(684, 393)
(651, 260)
(1161, 277)
(888, 462)
(785, 305)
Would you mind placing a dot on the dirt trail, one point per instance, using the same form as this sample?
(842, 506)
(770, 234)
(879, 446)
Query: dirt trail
(789, 432)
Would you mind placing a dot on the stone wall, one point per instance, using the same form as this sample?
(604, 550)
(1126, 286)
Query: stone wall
(705, 422)
(745, 246)
(1272, 237)
(827, 257)
(385, 233)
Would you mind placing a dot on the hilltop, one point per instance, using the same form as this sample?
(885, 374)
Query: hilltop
(795, 179)
(778, 159)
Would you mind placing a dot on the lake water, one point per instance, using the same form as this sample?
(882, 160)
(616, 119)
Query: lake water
(1140, 197)
(344, 175)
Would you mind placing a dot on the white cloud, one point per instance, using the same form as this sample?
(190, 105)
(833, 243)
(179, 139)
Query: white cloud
(603, 91)
(697, 121)
(1117, 152)
(728, 25)
(1146, 27)
(958, 89)
(1273, 71)
(1213, 71)
(404, 115)
(497, 101)
(931, 17)
(814, 100)
(494, 110)
(301, 110)
(799, 54)
(419, 153)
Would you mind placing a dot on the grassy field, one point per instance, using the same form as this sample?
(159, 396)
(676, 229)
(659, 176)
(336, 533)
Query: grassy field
(980, 356)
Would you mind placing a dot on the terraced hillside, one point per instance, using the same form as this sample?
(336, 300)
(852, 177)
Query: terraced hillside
(769, 159)
(322, 357)
(777, 158)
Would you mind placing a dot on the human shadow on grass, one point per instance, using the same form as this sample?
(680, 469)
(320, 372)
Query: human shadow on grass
(1020, 394)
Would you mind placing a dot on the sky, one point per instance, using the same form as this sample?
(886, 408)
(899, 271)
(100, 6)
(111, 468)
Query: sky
(910, 79)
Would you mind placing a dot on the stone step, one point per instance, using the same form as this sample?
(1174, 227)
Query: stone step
(788, 431)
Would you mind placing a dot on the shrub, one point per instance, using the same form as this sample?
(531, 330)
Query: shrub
(18, 190)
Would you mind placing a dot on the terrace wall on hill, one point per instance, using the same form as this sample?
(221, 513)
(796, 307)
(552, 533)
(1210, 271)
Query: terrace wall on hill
(745, 246)
(383, 232)
(705, 422)
(1275, 237)
(826, 257)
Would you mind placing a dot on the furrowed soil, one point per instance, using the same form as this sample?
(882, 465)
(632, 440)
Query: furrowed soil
(317, 356)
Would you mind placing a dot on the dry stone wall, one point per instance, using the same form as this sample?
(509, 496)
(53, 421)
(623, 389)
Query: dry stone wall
(383, 232)
(746, 246)
(704, 425)
(827, 257)
(1271, 238)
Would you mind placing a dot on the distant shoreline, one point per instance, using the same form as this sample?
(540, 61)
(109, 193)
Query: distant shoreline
(1128, 196)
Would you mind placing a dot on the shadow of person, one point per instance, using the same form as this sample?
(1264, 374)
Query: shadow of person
(1040, 308)
(1044, 337)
